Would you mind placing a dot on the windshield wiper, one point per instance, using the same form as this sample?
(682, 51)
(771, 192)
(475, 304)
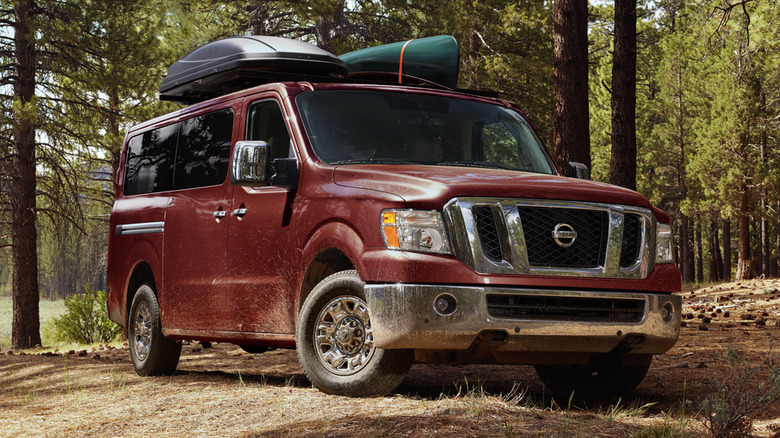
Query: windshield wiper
(371, 161)
(484, 164)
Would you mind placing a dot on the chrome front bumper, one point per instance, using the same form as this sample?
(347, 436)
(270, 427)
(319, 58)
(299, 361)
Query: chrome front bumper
(403, 316)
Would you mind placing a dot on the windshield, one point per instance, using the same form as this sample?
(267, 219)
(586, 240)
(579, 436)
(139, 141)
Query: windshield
(356, 127)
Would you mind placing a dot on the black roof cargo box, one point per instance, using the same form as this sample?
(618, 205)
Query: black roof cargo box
(235, 63)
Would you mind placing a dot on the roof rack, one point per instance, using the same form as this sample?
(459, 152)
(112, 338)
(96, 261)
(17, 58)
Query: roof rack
(236, 63)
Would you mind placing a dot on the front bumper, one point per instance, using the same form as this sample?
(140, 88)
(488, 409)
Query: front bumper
(403, 316)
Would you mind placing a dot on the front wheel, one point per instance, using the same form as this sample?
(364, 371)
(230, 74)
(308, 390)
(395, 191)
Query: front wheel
(606, 376)
(151, 352)
(335, 342)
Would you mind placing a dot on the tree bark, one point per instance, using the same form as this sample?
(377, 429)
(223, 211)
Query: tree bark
(25, 332)
(777, 242)
(623, 164)
(472, 62)
(690, 267)
(327, 25)
(716, 262)
(699, 254)
(571, 136)
(744, 270)
(765, 252)
(727, 250)
(686, 255)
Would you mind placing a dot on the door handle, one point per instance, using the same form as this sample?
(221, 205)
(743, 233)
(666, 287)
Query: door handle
(219, 214)
(240, 212)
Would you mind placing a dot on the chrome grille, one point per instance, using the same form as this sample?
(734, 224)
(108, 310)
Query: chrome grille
(488, 233)
(632, 240)
(537, 237)
(565, 308)
(588, 248)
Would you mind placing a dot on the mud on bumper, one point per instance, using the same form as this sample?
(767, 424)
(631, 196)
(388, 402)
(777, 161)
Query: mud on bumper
(430, 317)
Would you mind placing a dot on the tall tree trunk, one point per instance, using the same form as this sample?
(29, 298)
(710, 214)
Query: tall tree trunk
(777, 241)
(623, 164)
(685, 250)
(472, 63)
(327, 25)
(259, 18)
(25, 332)
(571, 136)
(716, 263)
(699, 254)
(744, 270)
(765, 252)
(727, 250)
(755, 259)
(690, 267)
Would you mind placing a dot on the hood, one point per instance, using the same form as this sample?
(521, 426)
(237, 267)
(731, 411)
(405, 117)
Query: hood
(430, 187)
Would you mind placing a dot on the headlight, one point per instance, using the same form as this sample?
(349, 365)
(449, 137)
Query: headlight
(415, 230)
(664, 247)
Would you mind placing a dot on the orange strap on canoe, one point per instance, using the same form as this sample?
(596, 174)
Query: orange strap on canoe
(401, 63)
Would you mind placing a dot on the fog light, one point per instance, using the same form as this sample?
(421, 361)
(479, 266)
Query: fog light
(667, 312)
(445, 304)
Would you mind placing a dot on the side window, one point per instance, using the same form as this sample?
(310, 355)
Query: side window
(204, 150)
(149, 166)
(512, 142)
(266, 123)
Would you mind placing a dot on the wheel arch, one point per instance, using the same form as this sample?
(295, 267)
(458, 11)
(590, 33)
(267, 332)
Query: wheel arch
(326, 262)
(142, 274)
(334, 246)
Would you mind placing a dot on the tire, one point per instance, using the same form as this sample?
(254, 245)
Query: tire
(611, 375)
(343, 359)
(151, 352)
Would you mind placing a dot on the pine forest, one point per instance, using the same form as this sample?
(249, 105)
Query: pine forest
(77, 74)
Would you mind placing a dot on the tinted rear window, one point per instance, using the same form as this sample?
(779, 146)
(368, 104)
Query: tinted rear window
(186, 154)
(150, 157)
(203, 150)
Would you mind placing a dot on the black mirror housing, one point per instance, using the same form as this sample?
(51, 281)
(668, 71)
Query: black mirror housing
(286, 174)
(577, 170)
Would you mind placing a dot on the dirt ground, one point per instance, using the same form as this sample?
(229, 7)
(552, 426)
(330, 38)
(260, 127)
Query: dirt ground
(223, 391)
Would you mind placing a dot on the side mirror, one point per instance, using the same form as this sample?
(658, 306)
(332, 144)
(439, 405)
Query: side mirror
(577, 170)
(286, 173)
(252, 166)
(250, 163)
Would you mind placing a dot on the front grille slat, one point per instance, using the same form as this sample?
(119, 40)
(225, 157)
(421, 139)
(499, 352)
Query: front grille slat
(511, 236)
(566, 308)
(488, 232)
(588, 249)
(632, 240)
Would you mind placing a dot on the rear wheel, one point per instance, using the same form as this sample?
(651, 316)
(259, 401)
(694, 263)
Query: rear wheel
(151, 352)
(335, 342)
(606, 376)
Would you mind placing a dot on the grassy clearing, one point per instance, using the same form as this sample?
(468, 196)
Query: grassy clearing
(48, 310)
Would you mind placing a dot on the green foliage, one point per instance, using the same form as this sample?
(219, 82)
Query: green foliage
(728, 412)
(86, 320)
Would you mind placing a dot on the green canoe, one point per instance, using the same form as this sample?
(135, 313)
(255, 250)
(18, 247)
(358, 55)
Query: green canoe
(433, 59)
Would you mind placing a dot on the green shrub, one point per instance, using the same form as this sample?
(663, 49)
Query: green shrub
(744, 393)
(86, 319)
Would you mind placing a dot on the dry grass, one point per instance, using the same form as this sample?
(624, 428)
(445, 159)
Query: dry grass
(225, 392)
(76, 396)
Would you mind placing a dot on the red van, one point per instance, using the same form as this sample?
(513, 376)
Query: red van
(372, 225)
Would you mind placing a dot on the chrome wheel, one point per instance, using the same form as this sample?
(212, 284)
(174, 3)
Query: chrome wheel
(342, 336)
(142, 331)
